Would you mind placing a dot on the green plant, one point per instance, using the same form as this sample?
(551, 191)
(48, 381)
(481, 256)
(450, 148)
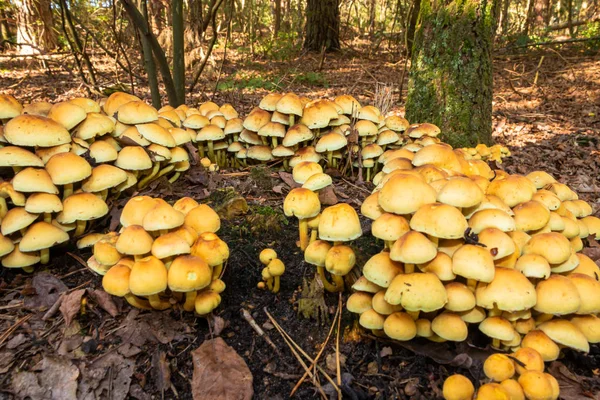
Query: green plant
(312, 79)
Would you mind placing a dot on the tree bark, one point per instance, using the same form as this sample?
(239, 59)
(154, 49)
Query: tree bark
(450, 81)
(371, 18)
(35, 26)
(149, 64)
(322, 25)
(155, 8)
(276, 17)
(412, 25)
(178, 50)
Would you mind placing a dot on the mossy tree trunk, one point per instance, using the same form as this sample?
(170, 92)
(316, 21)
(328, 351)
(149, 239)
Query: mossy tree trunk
(450, 81)
(322, 25)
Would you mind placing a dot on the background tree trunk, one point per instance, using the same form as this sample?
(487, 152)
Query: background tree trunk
(276, 17)
(412, 24)
(450, 81)
(322, 25)
(178, 50)
(372, 10)
(35, 26)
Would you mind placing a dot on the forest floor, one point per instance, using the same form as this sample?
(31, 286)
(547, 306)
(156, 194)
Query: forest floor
(547, 112)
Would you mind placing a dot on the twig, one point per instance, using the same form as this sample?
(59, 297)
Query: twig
(13, 328)
(10, 306)
(551, 43)
(50, 313)
(314, 363)
(259, 330)
(294, 346)
(358, 187)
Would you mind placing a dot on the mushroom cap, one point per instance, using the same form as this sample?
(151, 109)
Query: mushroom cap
(370, 207)
(389, 227)
(42, 235)
(32, 130)
(439, 155)
(161, 217)
(491, 218)
(156, 134)
(211, 248)
(540, 178)
(266, 256)
(513, 190)
(494, 238)
(364, 285)
(508, 291)
(102, 151)
(331, 142)
(133, 158)
(473, 262)
(257, 119)
(458, 387)
(589, 325)
(203, 219)
(116, 280)
(32, 179)
(116, 100)
(18, 259)
(16, 219)
(170, 244)
(316, 253)
(134, 240)
(460, 192)
(371, 319)
(104, 176)
(382, 306)
(339, 223)
(304, 170)
(67, 114)
(349, 105)
(565, 333)
(6, 245)
(272, 129)
(317, 182)
(188, 273)
(539, 341)
(589, 293)
(296, 134)
(450, 326)
(302, 203)
(553, 246)
(260, 153)
(439, 220)
(9, 107)
(148, 277)
(587, 266)
(289, 103)
(557, 295)
(404, 194)
(210, 132)
(473, 316)
(196, 121)
(497, 328)
(413, 248)
(136, 112)
(535, 385)
(136, 209)
(206, 301)
(531, 215)
(185, 205)
(340, 260)
(359, 302)
(441, 266)
(417, 292)
(533, 266)
(82, 207)
(14, 156)
(460, 297)
(276, 267)
(400, 326)
(269, 102)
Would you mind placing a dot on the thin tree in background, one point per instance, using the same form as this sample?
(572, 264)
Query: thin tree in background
(450, 81)
(35, 26)
(322, 25)
(178, 50)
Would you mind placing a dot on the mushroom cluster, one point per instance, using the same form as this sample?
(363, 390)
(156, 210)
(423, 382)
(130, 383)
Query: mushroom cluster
(463, 244)
(482, 152)
(272, 271)
(162, 255)
(516, 376)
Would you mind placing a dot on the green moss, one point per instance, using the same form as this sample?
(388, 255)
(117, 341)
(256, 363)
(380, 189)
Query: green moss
(450, 81)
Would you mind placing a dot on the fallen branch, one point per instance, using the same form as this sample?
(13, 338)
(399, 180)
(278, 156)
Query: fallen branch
(259, 330)
(551, 43)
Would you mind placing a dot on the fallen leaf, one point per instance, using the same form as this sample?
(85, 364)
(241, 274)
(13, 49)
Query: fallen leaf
(47, 290)
(161, 371)
(278, 188)
(105, 301)
(220, 373)
(386, 351)
(218, 324)
(327, 196)
(110, 374)
(71, 305)
(572, 386)
(289, 180)
(16, 341)
(52, 378)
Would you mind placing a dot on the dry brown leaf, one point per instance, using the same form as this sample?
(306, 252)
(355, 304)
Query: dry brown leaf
(47, 290)
(56, 380)
(105, 301)
(109, 374)
(289, 180)
(220, 373)
(71, 305)
(327, 196)
(572, 386)
(161, 371)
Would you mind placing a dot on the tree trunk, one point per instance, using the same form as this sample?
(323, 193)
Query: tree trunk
(155, 10)
(529, 18)
(505, 16)
(371, 18)
(322, 25)
(35, 26)
(412, 25)
(149, 63)
(450, 81)
(178, 50)
(276, 18)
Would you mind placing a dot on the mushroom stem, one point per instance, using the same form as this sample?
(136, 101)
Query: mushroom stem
(495, 343)
(388, 244)
(270, 284)
(286, 164)
(303, 228)
(472, 284)
(494, 312)
(175, 177)
(328, 286)
(330, 158)
(137, 302)
(413, 314)
(313, 236)
(201, 150)
(44, 256)
(178, 296)
(335, 163)
(368, 174)
(80, 228)
(48, 218)
(157, 303)
(433, 240)
(409, 268)
(211, 151)
(142, 184)
(67, 190)
(165, 171)
(217, 271)
(138, 257)
(103, 194)
(291, 116)
(275, 284)
(28, 269)
(338, 243)
(16, 169)
(338, 281)
(274, 140)
(190, 301)
(163, 232)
